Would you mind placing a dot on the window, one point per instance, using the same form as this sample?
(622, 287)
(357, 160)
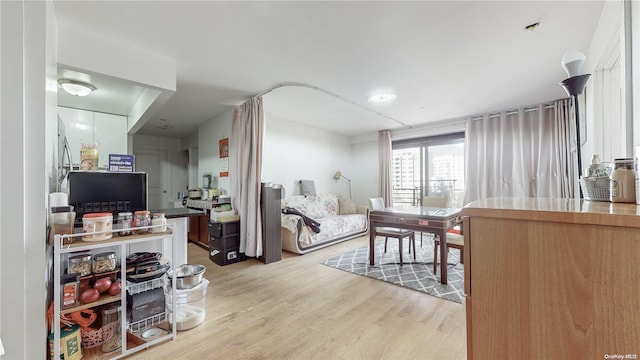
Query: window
(431, 166)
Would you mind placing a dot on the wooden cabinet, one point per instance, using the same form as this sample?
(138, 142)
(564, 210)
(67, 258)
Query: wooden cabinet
(198, 230)
(551, 279)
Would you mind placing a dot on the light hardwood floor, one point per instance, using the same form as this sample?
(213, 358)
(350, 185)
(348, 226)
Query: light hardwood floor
(298, 308)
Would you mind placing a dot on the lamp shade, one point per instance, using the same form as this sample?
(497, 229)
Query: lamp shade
(575, 84)
(76, 88)
(337, 175)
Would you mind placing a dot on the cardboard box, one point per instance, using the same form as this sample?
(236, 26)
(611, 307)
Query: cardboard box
(122, 163)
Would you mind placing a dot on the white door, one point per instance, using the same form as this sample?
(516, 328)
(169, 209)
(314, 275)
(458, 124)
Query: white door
(155, 163)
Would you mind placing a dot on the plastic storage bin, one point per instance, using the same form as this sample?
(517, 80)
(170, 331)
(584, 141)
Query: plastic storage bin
(191, 305)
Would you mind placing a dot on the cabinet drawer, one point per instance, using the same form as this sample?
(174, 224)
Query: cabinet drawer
(224, 243)
(219, 229)
(226, 257)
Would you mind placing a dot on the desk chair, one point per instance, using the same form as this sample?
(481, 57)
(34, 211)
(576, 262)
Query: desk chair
(390, 232)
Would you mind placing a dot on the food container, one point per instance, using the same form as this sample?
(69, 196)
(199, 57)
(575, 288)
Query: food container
(111, 332)
(62, 223)
(160, 221)
(98, 223)
(623, 187)
(79, 264)
(104, 262)
(125, 223)
(70, 341)
(141, 219)
(187, 276)
(191, 306)
(69, 295)
(195, 194)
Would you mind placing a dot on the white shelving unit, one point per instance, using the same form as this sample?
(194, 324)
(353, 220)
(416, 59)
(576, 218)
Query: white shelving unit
(122, 244)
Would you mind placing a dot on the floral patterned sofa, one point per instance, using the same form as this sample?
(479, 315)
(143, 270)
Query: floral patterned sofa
(339, 220)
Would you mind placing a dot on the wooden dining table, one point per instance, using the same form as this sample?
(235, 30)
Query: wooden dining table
(425, 219)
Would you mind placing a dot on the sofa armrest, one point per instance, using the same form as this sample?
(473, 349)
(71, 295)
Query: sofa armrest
(364, 210)
(293, 223)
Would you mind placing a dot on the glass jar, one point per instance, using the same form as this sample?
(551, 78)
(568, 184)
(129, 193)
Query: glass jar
(111, 330)
(159, 219)
(79, 264)
(622, 187)
(104, 262)
(141, 219)
(125, 222)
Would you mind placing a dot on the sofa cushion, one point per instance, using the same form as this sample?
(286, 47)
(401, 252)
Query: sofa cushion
(347, 206)
(315, 207)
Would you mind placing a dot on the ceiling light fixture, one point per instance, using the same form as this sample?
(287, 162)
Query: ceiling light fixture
(382, 98)
(76, 88)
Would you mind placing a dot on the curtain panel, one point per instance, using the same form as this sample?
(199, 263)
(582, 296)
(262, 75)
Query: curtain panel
(385, 158)
(245, 164)
(524, 153)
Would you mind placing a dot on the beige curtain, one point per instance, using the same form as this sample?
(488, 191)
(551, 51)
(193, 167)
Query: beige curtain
(524, 153)
(385, 158)
(245, 164)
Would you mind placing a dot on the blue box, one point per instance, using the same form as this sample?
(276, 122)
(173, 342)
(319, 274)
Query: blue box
(122, 163)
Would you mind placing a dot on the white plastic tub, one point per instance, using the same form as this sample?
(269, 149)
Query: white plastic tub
(191, 305)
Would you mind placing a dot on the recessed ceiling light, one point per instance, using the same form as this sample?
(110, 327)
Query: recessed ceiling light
(165, 127)
(382, 97)
(76, 88)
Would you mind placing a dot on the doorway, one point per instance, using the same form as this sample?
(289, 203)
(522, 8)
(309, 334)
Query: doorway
(155, 163)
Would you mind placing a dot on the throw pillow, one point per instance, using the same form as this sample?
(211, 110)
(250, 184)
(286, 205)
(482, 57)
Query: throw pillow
(307, 187)
(347, 207)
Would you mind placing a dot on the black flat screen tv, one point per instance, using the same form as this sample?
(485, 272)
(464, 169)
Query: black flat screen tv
(102, 191)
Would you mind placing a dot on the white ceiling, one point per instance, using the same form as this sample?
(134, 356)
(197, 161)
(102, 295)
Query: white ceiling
(444, 59)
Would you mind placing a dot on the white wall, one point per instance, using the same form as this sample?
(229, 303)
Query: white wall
(365, 162)
(177, 160)
(605, 118)
(292, 152)
(209, 135)
(27, 115)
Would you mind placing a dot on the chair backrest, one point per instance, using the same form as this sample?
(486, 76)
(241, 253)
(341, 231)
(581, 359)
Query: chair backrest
(376, 203)
(434, 201)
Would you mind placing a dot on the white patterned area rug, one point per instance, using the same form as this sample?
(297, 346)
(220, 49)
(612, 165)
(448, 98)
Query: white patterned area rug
(414, 274)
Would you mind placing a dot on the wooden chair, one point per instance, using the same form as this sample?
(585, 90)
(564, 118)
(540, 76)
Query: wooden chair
(455, 241)
(391, 232)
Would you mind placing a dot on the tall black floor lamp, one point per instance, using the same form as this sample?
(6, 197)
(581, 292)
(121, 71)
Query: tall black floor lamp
(574, 85)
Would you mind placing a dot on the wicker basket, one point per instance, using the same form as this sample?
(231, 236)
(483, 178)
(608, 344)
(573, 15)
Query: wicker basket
(595, 188)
